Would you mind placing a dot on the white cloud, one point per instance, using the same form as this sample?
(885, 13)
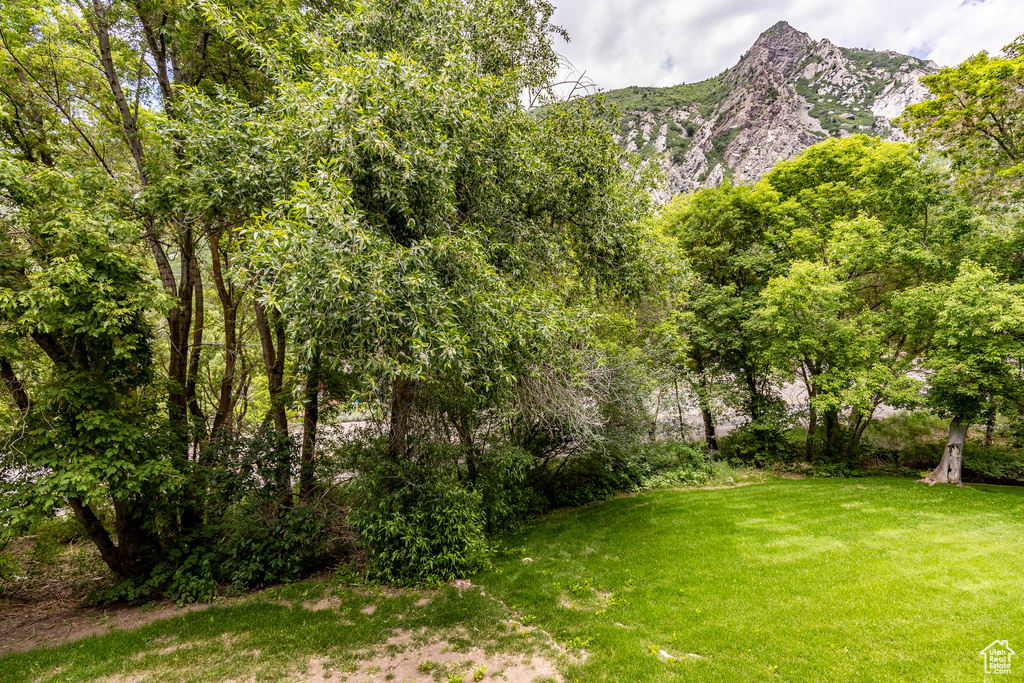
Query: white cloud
(665, 42)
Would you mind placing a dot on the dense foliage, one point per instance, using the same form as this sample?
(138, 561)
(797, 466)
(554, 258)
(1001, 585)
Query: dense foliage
(221, 218)
(224, 219)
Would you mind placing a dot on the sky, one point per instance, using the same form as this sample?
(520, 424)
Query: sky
(667, 42)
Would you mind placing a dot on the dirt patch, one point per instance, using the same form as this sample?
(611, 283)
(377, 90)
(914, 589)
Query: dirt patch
(724, 486)
(424, 660)
(369, 609)
(42, 605)
(326, 602)
(26, 626)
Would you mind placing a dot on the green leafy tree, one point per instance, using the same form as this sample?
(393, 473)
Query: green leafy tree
(442, 226)
(971, 328)
(865, 220)
(76, 289)
(974, 118)
(728, 236)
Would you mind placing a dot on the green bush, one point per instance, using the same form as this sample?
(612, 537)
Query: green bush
(638, 466)
(265, 548)
(503, 483)
(905, 431)
(994, 465)
(760, 445)
(61, 529)
(254, 532)
(416, 521)
(8, 564)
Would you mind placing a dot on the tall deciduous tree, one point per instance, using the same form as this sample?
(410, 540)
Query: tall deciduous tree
(972, 330)
(974, 117)
(728, 236)
(865, 220)
(419, 227)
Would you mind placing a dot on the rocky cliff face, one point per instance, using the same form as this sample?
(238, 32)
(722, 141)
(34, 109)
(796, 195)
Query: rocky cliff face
(786, 93)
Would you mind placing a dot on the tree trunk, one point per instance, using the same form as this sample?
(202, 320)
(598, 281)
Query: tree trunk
(229, 305)
(310, 418)
(833, 449)
(709, 428)
(15, 386)
(271, 327)
(179, 320)
(949, 468)
(754, 406)
(460, 420)
(197, 346)
(862, 422)
(812, 427)
(401, 409)
(704, 403)
(990, 425)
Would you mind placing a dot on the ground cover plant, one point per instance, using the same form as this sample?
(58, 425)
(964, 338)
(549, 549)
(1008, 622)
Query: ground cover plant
(816, 579)
(876, 578)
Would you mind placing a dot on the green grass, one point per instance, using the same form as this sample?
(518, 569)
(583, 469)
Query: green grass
(871, 579)
(827, 580)
(273, 636)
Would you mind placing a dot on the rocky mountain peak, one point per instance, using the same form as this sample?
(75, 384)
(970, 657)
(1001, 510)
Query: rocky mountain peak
(780, 46)
(787, 92)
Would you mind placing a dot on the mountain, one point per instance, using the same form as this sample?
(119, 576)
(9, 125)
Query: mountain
(786, 93)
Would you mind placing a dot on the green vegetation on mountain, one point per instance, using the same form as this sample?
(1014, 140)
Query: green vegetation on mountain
(705, 96)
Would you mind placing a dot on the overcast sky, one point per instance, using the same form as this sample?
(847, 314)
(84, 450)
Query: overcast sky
(666, 42)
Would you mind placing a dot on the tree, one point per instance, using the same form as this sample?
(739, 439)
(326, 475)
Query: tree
(974, 118)
(728, 236)
(441, 224)
(971, 328)
(865, 220)
(86, 90)
(343, 197)
(75, 287)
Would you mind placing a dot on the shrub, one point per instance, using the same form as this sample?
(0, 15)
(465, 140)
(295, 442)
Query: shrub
(416, 521)
(267, 548)
(8, 564)
(253, 533)
(995, 465)
(506, 496)
(758, 444)
(906, 430)
(634, 467)
(60, 529)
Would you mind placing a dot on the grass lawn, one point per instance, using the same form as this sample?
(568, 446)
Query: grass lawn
(874, 579)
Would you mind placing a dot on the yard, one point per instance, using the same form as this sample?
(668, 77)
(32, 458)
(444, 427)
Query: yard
(873, 578)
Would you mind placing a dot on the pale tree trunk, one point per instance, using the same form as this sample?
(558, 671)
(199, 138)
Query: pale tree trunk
(949, 469)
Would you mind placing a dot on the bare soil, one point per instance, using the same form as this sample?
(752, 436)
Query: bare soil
(41, 605)
(422, 659)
